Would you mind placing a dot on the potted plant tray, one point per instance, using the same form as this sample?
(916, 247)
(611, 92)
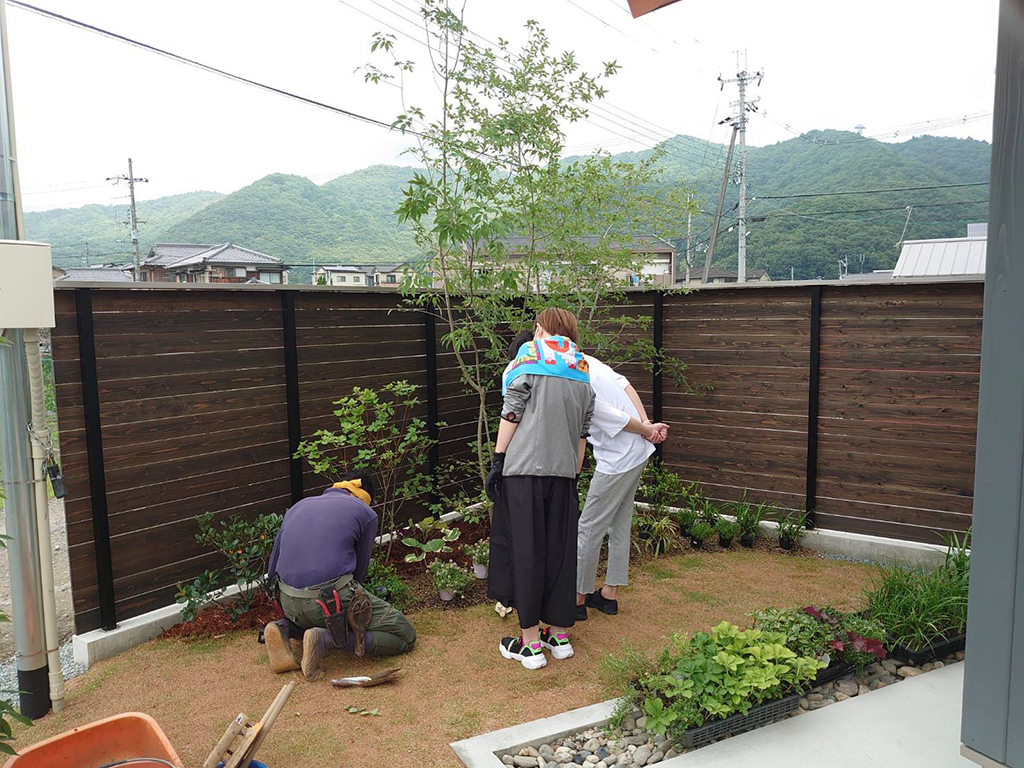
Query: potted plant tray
(930, 652)
(762, 714)
(833, 671)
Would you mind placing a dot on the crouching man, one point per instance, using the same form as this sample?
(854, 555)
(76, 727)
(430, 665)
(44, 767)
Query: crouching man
(320, 558)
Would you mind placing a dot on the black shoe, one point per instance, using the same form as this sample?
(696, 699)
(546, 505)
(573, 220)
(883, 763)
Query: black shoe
(581, 612)
(602, 603)
(531, 657)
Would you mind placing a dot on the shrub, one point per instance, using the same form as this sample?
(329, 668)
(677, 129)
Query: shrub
(384, 582)
(376, 431)
(918, 607)
(653, 533)
(714, 675)
(701, 533)
(479, 552)
(726, 532)
(449, 576)
(708, 512)
(246, 545)
(804, 633)
(815, 632)
(662, 488)
(861, 641)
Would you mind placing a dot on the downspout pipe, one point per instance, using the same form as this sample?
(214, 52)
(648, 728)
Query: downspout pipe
(37, 435)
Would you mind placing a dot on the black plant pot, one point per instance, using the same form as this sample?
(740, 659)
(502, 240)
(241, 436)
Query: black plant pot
(726, 543)
(747, 540)
(786, 543)
(696, 544)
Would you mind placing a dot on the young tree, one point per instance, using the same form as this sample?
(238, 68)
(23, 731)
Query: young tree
(508, 224)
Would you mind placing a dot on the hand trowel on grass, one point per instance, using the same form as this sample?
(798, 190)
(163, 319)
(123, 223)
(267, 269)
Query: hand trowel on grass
(362, 681)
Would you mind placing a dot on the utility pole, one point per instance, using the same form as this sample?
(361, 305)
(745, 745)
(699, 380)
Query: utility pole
(718, 209)
(742, 78)
(689, 215)
(133, 216)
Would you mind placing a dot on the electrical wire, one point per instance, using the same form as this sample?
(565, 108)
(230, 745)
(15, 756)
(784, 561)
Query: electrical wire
(873, 210)
(869, 191)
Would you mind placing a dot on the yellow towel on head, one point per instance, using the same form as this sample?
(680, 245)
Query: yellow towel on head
(355, 487)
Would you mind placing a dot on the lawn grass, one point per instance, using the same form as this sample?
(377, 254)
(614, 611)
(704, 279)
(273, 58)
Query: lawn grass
(454, 684)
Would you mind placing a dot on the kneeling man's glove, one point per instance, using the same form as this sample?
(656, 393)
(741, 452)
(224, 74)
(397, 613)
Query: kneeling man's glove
(493, 485)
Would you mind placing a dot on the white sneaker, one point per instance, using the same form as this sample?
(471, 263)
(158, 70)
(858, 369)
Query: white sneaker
(530, 656)
(558, 644)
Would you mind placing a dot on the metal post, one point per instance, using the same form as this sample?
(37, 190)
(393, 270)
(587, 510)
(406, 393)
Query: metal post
(291, 387)
(718, 210)
(433, 431)
(94, 455)
(23, 548)
(134, 223)
(813, 379)
(741, 222)
(659, 333)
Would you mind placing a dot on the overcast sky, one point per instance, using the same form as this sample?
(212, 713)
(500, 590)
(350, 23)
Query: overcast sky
(84, 103)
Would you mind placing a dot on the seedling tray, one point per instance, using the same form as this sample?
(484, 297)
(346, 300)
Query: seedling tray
(762, 714)
(930, 652)
(833, 671)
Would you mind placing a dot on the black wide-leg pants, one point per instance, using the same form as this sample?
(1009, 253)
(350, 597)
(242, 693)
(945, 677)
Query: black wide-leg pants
(533, 549)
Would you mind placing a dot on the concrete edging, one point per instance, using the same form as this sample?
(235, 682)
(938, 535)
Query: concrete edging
(99, 644)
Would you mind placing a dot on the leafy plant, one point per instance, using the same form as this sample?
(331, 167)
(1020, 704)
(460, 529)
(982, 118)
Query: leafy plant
(480, 552)
(813, 631)
(714, 675)
(246, 545)
(958, 550)
(383, 581)
(749, 518)
(661, 488)
(376, 431)
(805, 633)
(701, 533)
(434, 538)
(655, 533)
(727, 530)
(919, 607)
(707, 512)
(862, 641)
(686, 519)
(792, 529)
(490, 159)
(449, 576)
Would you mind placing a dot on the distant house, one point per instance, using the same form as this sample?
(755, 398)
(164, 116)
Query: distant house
(875, 275)
(198, 263)
(659, 254)
(720, 276)
(360, 276)
(94, 275)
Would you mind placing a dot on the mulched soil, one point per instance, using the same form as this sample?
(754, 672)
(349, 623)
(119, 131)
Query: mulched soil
(215, 622)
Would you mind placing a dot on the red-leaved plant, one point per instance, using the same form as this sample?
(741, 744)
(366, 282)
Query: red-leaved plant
(854, 641)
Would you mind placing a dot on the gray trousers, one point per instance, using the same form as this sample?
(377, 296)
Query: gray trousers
(607, 510)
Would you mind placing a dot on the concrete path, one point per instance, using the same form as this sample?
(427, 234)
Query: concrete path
(915, 723)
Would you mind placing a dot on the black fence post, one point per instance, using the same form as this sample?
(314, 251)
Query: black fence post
(659, 331)
(291, 387)
(94, 453)
(433, 431)
(814, 371)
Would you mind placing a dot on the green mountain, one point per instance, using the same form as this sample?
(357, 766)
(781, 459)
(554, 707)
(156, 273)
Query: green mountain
(101, 228)
(351, 219)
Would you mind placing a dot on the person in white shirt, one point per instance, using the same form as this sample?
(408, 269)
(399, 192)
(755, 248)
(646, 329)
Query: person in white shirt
(623, 439)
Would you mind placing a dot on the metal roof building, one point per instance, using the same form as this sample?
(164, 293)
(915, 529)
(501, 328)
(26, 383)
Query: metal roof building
(946, 256)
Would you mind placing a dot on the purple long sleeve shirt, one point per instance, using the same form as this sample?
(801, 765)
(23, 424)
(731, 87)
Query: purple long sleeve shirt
(324, 537)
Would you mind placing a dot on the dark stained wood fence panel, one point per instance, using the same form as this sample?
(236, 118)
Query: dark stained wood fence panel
(898, 408)
(194, 413)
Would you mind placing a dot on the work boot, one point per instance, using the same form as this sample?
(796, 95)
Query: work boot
(316, 644)
(281, 649)
(359, 615)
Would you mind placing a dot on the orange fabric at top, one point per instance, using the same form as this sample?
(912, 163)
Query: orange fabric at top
(640, 7)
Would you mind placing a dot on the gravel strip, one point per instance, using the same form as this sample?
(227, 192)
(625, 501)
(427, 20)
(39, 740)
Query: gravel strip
(9, 672)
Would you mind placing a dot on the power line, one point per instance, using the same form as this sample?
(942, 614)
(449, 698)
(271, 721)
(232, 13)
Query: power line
(787, 214)
(871, 191)
(906, 129)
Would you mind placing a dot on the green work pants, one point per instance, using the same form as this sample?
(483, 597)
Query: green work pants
(389, 633)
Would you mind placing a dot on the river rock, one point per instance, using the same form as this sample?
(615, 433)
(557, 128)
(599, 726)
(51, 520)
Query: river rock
(625, 758)
(804, 703)
(525, 761)
(671, 753)
(641, 756)
(862, 689)
(840, 696)
(937, 665)
(529, 752)
(602, 752)
(657, 757)
(546, 750)
(960, 655)
(628, 723)
(591, 759)
(927, 667)
(641, 722)
(592, 745)
(909, 672)
(847, 687)
(813, 697)
(508, 759)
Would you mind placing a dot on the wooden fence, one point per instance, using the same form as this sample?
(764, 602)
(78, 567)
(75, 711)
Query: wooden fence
(858, 401)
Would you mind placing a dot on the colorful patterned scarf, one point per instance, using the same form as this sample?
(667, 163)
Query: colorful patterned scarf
(553, 356)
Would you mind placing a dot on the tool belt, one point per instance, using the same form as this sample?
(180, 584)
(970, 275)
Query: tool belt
(327, 597)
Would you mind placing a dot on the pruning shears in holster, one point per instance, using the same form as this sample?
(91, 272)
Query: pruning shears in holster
(335, 620)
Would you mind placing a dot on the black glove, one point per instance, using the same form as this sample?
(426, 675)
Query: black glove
(493, 485)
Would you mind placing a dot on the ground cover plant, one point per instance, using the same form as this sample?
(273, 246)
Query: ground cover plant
(449, 577)
(817, 632)
(710, 676)
(383, 581)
